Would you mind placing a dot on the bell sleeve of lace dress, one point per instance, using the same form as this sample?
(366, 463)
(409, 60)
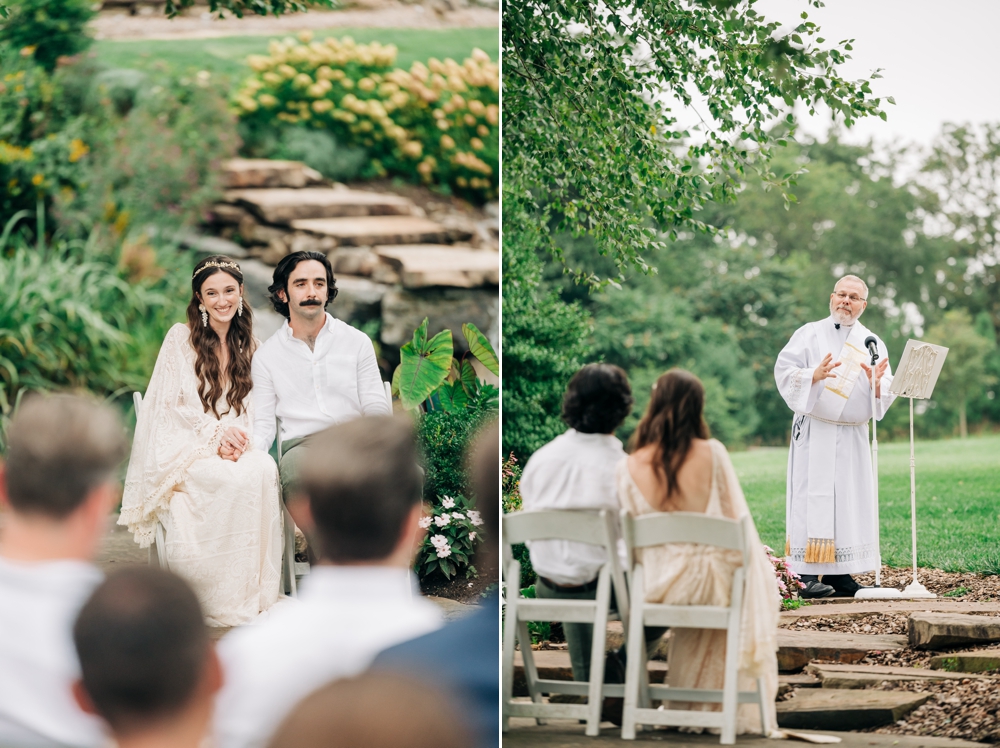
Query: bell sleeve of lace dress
(172, 431)
(763, 601)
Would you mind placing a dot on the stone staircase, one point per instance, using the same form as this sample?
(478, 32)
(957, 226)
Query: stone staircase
(393, 261)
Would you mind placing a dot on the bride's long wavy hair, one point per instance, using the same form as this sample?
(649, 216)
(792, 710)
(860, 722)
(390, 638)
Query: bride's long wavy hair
(672, 421)
(205, 341)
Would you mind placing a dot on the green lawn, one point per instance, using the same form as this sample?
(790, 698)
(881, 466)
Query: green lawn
(958, 501)
(227, 55)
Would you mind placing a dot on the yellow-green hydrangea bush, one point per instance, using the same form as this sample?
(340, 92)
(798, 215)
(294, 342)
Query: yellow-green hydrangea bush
(436, 122)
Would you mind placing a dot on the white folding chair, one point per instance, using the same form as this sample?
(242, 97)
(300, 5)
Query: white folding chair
(158, 548)
(596, 528)
(685, 527)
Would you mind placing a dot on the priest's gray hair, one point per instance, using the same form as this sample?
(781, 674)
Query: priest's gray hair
(852, 278)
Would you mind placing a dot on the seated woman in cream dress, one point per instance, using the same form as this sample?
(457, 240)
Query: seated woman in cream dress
(676, 467)
(192, 466)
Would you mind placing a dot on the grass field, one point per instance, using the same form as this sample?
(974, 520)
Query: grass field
(958, 501)
(227, 55)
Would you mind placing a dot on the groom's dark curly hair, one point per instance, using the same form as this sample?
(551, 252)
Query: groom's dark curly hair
(285, 268)
(598, 399)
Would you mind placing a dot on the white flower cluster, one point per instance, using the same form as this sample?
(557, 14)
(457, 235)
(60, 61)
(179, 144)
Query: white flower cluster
(447, 502)
(475, 518)
(425, 522)
(440, 543)
(442, 520)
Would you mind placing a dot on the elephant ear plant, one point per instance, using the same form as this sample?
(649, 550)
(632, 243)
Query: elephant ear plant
(450, 403)
(430, 377)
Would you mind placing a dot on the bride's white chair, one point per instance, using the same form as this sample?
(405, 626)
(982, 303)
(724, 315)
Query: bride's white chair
(595, 528)
(685, 527)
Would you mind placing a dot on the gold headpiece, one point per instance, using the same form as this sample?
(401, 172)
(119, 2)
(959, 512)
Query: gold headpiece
(232, 265)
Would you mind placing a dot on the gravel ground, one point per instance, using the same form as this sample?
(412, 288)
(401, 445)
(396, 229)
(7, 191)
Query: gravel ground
(877, 623)
(967, 709)
(200, 24)
(977, 588)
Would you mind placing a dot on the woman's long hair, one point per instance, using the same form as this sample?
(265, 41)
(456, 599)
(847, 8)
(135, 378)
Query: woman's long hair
(672, 421)
(205, 341)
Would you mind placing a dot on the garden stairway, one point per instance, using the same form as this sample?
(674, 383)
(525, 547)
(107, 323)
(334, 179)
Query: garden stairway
(394, 263)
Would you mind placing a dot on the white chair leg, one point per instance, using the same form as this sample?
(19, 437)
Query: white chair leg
(530, 670)
(730, 685)
(636, 662)
(595, 695)
(509, 640)
(161, 545)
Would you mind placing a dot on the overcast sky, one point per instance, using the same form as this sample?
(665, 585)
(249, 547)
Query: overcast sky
(939, 60)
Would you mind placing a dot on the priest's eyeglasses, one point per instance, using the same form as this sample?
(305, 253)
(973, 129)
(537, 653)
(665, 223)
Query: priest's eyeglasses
(853, 297)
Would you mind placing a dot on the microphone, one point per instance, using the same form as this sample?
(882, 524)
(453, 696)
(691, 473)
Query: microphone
(871, 343)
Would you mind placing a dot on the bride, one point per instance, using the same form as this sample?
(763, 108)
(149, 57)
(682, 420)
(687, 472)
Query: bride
(192, 465)
(676, 467)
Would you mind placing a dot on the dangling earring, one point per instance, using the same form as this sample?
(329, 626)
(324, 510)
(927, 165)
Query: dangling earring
(204, 315)
(239, 309)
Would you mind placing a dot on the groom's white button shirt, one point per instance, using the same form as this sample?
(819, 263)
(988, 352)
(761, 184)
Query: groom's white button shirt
(311, 389)
(343, 617)
(39, 602)
(573, 471)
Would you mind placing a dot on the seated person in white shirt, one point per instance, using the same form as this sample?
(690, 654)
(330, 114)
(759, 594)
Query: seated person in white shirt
(57, 489)
(577, 471)
(148, 667)
(359, 502)
(313, 372)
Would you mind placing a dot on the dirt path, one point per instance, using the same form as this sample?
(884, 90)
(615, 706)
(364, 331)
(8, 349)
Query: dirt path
(200, 24)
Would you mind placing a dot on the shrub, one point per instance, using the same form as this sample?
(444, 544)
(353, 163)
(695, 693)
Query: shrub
(436, 123)
(453, 533)
(50, 29)
(321, 151)
(160, 163)
(71, 318)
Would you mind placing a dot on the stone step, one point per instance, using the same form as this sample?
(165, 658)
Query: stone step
(423, 265)
(788, 681)
(859, 609)
(796, 649)
(263, 172)
(283, 206)
(863, 676)
(837, 709)
(378, 230)
(943, 630)
(964, 663)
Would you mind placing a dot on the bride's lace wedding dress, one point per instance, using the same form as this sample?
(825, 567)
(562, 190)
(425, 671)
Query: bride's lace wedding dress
(222, 519)
(692, 574)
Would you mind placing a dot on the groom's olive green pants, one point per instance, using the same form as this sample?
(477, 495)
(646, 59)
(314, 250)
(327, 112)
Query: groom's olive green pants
(293, 452)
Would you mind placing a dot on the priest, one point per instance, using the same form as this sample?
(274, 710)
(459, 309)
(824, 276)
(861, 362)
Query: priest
(824, 376)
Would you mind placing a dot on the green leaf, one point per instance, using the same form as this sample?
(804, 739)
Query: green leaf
(480, 347)
(423, 366)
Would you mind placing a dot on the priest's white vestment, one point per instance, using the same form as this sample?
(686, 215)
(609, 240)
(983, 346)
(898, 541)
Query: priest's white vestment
(829, 508)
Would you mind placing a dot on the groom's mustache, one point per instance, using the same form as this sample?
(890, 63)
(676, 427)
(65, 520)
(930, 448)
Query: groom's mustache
(311, 302)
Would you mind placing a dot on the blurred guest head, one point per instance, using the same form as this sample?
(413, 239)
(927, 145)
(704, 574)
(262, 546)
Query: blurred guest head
(597, 399)
(148, 667)
(60, 476)
(363, 486)
(484, 474)
(375, 710)
(673, 419)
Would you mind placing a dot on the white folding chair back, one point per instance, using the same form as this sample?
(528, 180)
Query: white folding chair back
(686, 527)
(158, 548)
(595, 528)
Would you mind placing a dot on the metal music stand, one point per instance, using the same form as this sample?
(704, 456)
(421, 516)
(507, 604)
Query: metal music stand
(918, 372)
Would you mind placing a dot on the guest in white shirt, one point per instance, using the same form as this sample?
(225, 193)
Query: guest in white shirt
(576, 471)
(57, 489)
(148, 667)
(315, 371)
(359, 500)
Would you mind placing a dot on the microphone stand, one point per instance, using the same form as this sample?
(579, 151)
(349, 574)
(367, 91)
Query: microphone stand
(878, 591)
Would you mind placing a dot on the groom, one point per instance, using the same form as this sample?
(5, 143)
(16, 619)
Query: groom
(314, 372)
